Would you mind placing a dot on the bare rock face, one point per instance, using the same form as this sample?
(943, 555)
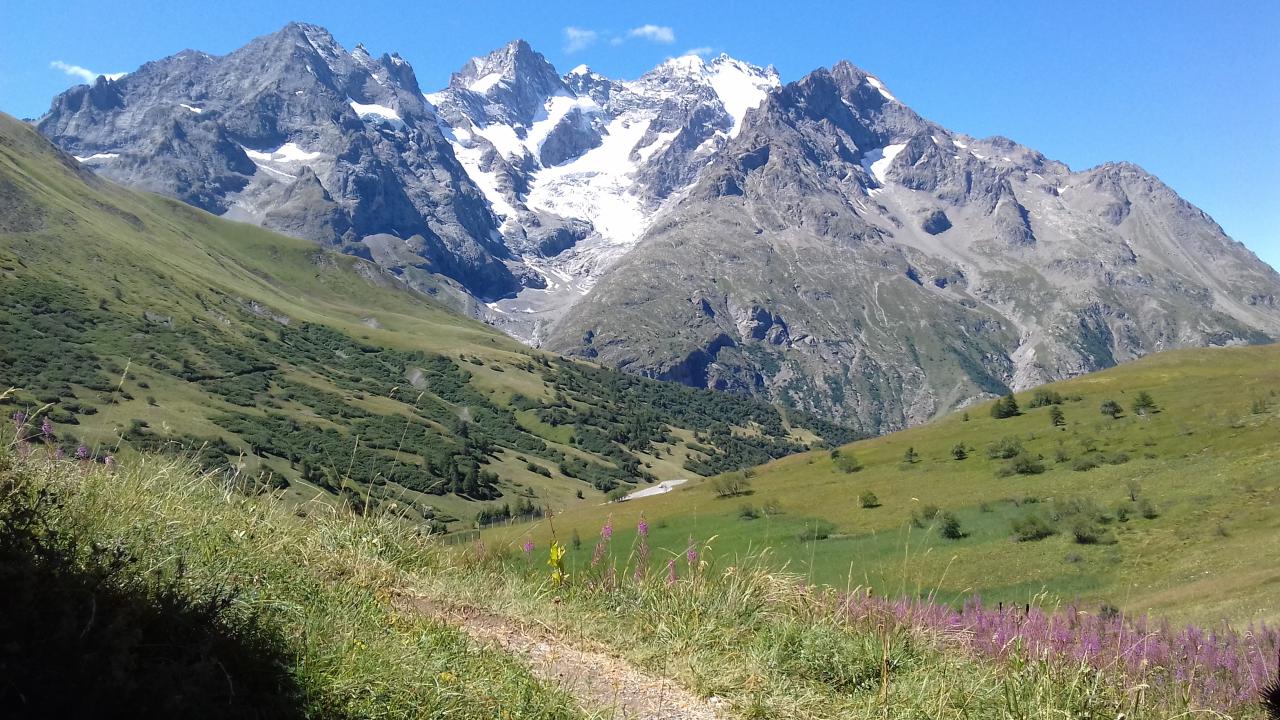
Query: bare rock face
(297, 134)
(917, 269)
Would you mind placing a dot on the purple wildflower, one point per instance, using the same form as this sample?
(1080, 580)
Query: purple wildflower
(46, 428)
(606, 530)
(59, 454)
(528, 547)
(109, 461)
(691, 554)
(642, 550)
(19, 419)
(82, 453)
(671, 572)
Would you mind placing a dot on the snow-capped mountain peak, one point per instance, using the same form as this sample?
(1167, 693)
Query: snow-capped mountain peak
(577, 166)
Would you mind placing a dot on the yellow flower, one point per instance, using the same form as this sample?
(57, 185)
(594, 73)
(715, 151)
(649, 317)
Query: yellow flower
(447, 676)
(556, 561)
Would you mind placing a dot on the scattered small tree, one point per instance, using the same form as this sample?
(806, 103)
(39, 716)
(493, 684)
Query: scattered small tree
(1005, 407)
(911, 457)
(731, 485)
(1143, 404)
(1032, 527)
(959, 452)
(1044, 397)
(950, 527)
(1111, 408)
(847, 463)
(1132, 488)
(868, 500)
(1057, 417)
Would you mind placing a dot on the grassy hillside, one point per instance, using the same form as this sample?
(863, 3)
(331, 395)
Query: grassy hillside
(145, 590)
(1174, 510)
(132, 322)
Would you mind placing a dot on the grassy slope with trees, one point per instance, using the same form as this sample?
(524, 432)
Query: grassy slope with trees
(133, 322)
(1170, 509)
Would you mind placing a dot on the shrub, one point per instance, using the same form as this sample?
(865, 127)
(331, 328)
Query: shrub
(1111, 408)
(1057, 417)
(618, 494)
(959, 452)
(1085, 532)
(1005, 407)
(1022, 464)
(1085, 462)
(1144, 404)
(868, 500)
(815, 530)
(731, 485)
(1032, 527)
(1147, 509)
(911, 457)
(748, 512)
(1005, 448)
(950, 527)
(847, 463)
(1044, 397)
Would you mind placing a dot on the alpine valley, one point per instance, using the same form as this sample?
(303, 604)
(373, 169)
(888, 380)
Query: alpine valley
(816, 244)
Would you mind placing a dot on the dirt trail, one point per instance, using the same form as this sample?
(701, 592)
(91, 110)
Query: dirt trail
(598, 681)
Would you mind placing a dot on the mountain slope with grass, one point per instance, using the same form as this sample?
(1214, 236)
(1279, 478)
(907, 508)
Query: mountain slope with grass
(1151, 488)
(133, 322)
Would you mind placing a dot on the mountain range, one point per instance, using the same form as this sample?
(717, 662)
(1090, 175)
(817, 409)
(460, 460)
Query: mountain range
(816, 243)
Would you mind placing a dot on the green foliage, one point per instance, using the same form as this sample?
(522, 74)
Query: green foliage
(1057, 417)
(1005, 448)
(847, 463)
(911, 457)
(731, 485)
(1022, 464)
(949, 526)
(1111, 409)
(1144, 404)
(815, 529)
(1032, 527)
(959, 451)
(868, 500)
(1044, 396)
(1005, 407)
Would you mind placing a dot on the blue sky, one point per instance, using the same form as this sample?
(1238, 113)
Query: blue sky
(1189, 90)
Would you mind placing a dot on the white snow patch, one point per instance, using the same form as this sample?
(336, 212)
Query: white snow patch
(286, 153)
(580, 70)
(484, 84)
(739, 87)
(192, 108)
(96, 157)
(877, 161)
(375, 112)
(875, 83)
(661, 488)
(959, 144)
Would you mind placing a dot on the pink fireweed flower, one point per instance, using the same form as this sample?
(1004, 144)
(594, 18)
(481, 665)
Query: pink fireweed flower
(606, 530)
(602, 545)
(642, 550)
(109, 461)
(671, 572)
(691, 554)
(82, 453)
(528, 547)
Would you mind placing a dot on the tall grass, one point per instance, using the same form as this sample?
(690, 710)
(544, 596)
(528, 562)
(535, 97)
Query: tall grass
(298, 600)
(272, 614)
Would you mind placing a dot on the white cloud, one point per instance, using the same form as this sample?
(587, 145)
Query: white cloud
(701, 51)
(654, 33)
(576, 38)
(83, 73)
